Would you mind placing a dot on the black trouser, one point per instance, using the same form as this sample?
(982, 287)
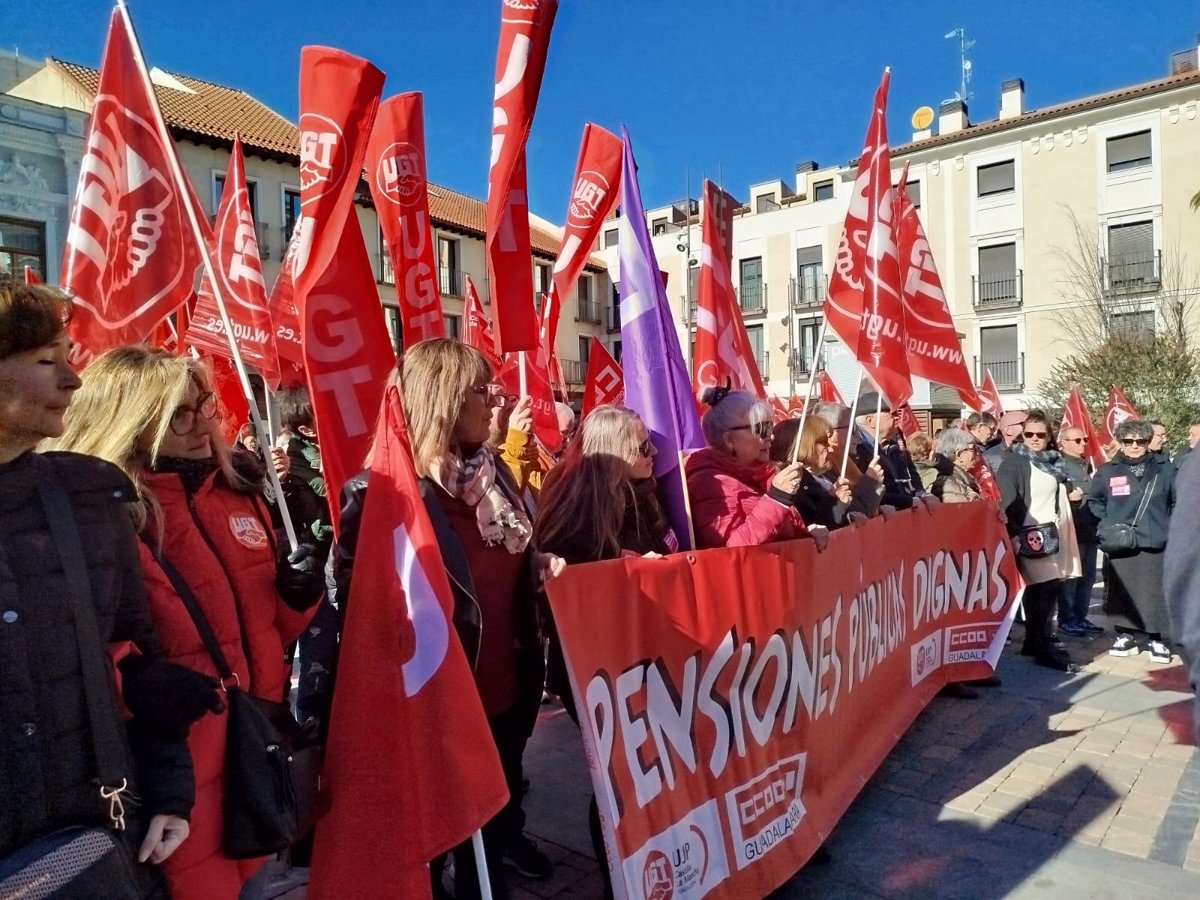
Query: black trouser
(1040, 601)
(594, 826)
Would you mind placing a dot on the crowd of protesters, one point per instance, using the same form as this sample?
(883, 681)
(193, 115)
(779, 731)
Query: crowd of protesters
(182, 538)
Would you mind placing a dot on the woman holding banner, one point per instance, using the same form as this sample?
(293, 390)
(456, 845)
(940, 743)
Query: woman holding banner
(823, 498)
(1035, 499)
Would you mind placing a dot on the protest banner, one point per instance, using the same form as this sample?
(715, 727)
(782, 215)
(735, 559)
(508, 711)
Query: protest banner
(729, 721)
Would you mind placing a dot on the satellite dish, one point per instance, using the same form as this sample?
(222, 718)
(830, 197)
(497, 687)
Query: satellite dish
(922, 118)
(966, 64)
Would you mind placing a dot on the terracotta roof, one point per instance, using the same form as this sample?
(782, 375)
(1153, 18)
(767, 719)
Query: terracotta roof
(1096, 101)
(215, 112)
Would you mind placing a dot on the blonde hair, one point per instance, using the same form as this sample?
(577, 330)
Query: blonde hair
(434, 377)
(816, 431)
(127, 392)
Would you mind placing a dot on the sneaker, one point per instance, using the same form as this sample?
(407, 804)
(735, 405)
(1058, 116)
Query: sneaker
(524, 856)
(1090, 626)
(1075, 629)
(1160, 652)
(1124, 646)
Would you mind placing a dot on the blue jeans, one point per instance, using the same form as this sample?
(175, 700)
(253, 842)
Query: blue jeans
(1076, 596)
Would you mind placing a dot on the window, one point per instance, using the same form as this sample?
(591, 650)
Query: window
(823, 190)
(616, 352)
(1136, 324)
(392, 316)
(22, 243)
(913, 189)
(614, 308)
(998, 178)
(453, 326)
(588, 309)
(291, 211)
(997, 274)
(998, 354)
(765, 203)
(611, 237)
(1132, 260)
(543, 278)
(1130, 151)
(755, 334)
(449, 276)
(585, 352)
(387, 275)
(810, 277)
(806, 346)
(251, 192)
(751, 294)
(658, 226)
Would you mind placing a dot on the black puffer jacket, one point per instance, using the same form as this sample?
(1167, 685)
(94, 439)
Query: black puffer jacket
(47, 764)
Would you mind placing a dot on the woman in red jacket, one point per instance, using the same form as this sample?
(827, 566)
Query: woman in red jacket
(153, 415)
(737, 497)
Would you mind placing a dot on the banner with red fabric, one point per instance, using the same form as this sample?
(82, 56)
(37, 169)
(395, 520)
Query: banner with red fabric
(285, 318)
(520, 61)
(934, 350)
(605, 381)
(722, 350)
(130, 256)
(396, 172)
(829, 390)
(243, 288)
(729, 722)
(31, 276)
(981, 470)
(477, 332)
(907, 422)
(1076, 415)
(232, 405)
(404, 700)
(1116, 411)
(989, 395)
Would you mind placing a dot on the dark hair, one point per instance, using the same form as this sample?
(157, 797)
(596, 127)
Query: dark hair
(711, 396)
(1037, 415)
(974, 420)
(295, 408)
(31, 316)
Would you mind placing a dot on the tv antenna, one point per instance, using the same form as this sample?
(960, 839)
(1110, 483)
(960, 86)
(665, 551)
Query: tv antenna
(964, 86)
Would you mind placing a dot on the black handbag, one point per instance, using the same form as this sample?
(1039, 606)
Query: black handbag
(80, 862)
(1042, 540)
(1120, 538)
(272, 763)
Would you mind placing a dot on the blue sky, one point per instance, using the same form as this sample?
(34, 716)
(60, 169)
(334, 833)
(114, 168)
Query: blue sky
(744, 89)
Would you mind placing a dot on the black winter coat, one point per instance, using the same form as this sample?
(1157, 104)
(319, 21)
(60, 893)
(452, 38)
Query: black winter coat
(1116, 492)
(901, 480)
(47, 764)
(1085, 522)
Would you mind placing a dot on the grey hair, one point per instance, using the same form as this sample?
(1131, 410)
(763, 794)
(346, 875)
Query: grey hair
(729, 412)
(832, 414)
(1139, 429)
(951, 441)
(560, 408)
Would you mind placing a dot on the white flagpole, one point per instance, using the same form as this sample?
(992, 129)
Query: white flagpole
(850, 432)
(485, 884)
(522, 374)
(181, 185)
(812, 377)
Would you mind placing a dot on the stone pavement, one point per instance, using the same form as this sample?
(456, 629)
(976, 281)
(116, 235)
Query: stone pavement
(1083, 786)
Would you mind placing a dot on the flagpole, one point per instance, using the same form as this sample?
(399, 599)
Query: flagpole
(850, 431)
(522, 375)
(812, 377)
(687, 500)
(205, 258)
(485, 884)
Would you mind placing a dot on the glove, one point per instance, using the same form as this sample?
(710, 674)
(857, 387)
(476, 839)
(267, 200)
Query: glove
(166, 696)
(300, 576)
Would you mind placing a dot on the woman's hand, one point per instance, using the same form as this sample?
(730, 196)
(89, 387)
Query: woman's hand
(788, 478)
(163, 838)
(550, 566)
(820, 536)
(886, 511)
(522, 416)
(281, 462)
(1075, 495)
(841, 490)
(856, 518)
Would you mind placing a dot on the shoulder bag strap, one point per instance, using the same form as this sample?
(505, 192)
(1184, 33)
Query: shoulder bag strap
(97, 677)
(1145, 500)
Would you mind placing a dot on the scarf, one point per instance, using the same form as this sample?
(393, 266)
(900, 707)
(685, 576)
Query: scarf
(192, 472)
(1136, 468)
(1048, 461)
(473, 481)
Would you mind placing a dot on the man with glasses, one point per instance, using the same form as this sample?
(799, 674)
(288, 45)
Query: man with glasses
(1010, 426)
(901, 480)
(1076, 598)
(1158, 440)
(982, 427)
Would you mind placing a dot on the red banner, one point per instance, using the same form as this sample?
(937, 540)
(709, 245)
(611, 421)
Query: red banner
(934, 350)
(477, 332)
(31, 276)
(396, 167)
(348, 354)
(285, 317)
(722, 348)
(730, 721)
(906, 421)
(130, 256)
(1075, 415)
(239, 270)
(605, 381)
(520, 61)
(1116, 411)
(829, 390)
(989, 395)
(404, 699)
(232, 405)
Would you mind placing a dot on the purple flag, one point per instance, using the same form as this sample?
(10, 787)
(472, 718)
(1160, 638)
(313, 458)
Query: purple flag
(657, 386)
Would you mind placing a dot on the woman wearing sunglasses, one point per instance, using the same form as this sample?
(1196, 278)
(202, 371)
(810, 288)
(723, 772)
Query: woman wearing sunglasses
(1035, 500)
(1135, 488)
(738, 498)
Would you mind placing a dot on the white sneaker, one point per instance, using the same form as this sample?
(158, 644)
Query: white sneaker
(1160, 653)
(1124, 646)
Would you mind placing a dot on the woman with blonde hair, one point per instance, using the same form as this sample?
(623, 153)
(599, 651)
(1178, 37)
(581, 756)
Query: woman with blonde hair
(823, 497)
(205, 533)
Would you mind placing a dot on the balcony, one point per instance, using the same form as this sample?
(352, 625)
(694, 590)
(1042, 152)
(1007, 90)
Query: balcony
(451, 282)
(1007, 371)
(1132, 273)
(997, 290)
(802, 363)
(764, 368)
(752, 297)
(612, 317)
(807, 292)
(387, 275)
(573, 371)
(587, 311)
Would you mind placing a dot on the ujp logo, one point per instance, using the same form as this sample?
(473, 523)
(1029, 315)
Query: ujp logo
(322, 157)
(590, 191)
(400, 174)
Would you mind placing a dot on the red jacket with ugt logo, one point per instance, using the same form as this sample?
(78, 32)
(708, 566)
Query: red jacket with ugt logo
(220, 542)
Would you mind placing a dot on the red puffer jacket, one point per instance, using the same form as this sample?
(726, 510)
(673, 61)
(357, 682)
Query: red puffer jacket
(221, 544)
(730, 507)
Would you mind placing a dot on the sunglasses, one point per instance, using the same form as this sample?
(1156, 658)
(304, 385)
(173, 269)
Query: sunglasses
(761, 431)
(494, 394)
(1078, 440)
(646, 449)
(1132, 442)
(1037, 434)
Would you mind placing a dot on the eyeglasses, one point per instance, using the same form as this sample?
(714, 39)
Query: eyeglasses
(183, 420)
(646, 449)
(1131, 442)
(1037, 434)
(762, 430)
(1078, 440)
(495, 394)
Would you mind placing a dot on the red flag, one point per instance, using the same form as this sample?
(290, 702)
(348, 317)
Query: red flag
(520, 61)
(989, 395)
(981, 471)
(285, 317)
(396, 167)
(231, 399)
(477, 332)
(906, 421)
(722, 348)
(605, 381)
(130, 256)
(348, 355)
(1075, 415)
(829, 390)
(1117, 411)
(239, 270)
(934, 351)
(404, 699)
(31, 277)
(779, 410)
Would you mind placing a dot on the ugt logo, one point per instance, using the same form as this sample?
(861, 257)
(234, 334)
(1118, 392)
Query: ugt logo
(400, 174)
(322, 156)
(586, 199)
(658, 877)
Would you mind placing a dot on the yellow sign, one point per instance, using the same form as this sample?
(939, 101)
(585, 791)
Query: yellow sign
(922, 118)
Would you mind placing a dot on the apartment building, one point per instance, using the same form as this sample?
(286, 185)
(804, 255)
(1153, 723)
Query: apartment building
(43, 118)
(1050, 228)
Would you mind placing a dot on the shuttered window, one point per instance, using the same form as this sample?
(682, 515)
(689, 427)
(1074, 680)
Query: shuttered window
(810, 275)
(997, 272)
(1129, 151)
(998, 178)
